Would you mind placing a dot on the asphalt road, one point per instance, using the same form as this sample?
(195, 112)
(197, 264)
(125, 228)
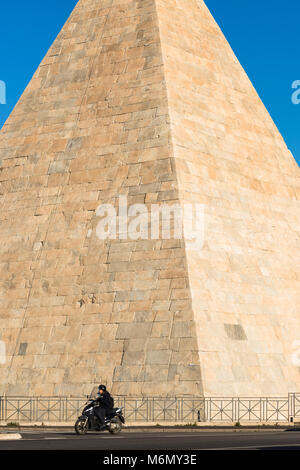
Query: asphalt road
(200, 440)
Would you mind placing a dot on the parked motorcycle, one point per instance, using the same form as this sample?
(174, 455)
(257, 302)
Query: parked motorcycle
(88, 421)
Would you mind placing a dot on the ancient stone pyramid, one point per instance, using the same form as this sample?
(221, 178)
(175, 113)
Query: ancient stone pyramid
(145, 98)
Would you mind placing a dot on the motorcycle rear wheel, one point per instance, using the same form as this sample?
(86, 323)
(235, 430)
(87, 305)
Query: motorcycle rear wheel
(81, 426)
(115, 426)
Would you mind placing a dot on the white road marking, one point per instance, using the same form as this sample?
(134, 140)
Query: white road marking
(10, 436)
(71, 437)
(50, 438)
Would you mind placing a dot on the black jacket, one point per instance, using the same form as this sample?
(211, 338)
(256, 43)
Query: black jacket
(105, 400)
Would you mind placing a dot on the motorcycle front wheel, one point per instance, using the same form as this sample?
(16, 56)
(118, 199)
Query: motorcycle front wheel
(115, 426)
(81, 426)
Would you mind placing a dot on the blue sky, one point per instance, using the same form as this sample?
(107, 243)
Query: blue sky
(262, 33)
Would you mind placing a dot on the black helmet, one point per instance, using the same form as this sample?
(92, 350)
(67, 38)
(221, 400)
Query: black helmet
(102, 387)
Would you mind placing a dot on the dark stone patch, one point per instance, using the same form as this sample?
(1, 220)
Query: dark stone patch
(235, 332)
(22, 349)
(74, 144)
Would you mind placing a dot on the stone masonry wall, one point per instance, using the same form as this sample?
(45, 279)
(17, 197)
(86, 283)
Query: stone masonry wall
(93, 124)
(229, 156)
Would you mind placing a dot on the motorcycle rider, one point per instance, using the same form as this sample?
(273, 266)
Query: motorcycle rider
(106, 403)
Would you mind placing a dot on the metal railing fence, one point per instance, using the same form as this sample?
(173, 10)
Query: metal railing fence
(155, 409)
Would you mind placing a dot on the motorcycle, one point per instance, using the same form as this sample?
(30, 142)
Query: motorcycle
(88, 421)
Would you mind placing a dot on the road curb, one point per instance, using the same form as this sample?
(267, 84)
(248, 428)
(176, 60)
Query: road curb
(166, 429)
(10, 436)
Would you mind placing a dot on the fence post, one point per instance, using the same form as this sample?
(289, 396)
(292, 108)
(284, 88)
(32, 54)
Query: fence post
(263, 409)
(291, 399)
(178, 409)
(237, 410)
(207, 409)
(150, 413)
